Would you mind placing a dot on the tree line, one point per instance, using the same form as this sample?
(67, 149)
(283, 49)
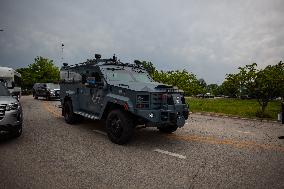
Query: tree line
(250, 82)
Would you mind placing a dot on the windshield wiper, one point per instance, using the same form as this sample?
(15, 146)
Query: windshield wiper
(121, 84)
(113, 69)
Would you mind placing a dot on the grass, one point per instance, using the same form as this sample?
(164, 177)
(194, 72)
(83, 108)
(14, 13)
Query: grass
(237, 107)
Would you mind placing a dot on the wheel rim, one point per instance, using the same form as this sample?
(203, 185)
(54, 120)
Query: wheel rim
(116, 128)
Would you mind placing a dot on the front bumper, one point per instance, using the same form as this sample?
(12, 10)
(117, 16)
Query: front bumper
(175, 115)
(55, 94)
(9, 129)
(12, 119)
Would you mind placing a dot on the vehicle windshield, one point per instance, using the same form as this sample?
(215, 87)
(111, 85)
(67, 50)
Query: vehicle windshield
(142, 77)
(128, 76)
(119, 75)
(3, 90)
(52, 86)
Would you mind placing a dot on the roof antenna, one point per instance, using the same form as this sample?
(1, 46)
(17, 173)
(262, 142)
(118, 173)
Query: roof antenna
(114, 58)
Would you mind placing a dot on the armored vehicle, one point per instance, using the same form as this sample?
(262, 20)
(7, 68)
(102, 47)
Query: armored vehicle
(122, 94)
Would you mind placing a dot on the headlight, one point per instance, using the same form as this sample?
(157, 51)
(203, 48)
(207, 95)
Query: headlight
(12, 106)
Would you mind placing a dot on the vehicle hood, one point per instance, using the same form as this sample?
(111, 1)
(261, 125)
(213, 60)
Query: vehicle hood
(7, 100)
(147, 87)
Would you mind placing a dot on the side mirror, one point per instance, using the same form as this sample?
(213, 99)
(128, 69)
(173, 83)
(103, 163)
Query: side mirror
(16, 97)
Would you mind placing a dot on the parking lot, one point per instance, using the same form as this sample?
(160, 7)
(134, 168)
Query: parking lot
(215, 152)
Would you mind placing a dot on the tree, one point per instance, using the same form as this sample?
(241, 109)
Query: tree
(149, 67)
(42, 70)
(213, 89)
(230, 87)
(269, 83)
(26, 74)
(246, 78)
(182, 79)
(265, 84)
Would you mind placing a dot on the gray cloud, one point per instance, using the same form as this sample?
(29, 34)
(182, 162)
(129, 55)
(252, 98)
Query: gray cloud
(208, 38)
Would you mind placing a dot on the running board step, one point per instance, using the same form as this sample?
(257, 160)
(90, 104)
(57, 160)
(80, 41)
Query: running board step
(90, 116)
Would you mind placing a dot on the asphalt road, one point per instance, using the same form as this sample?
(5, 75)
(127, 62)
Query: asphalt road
(208, 152)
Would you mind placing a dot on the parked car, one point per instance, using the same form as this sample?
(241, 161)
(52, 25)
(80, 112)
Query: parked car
(206, 95)
(46, 90)
(11, 115)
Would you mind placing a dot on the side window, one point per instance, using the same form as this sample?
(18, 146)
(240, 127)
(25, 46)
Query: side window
(84, 78)
(17, 80)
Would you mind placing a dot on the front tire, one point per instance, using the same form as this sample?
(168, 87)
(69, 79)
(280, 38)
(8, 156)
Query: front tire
(35, 96)
(18, 133)
(168, 128)
(120, 126)
(69, 115)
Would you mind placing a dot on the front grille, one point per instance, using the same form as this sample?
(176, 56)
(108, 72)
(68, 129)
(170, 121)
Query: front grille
(157, 100)
(170, 100)
(2, 110)
(142, 101)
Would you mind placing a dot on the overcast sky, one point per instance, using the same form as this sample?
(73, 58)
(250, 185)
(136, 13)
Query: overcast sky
(208, 38)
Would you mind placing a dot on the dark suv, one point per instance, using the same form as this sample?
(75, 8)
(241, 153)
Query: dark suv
(11, 116)
(46, 90)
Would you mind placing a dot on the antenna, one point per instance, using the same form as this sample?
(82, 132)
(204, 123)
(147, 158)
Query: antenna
(62, 47)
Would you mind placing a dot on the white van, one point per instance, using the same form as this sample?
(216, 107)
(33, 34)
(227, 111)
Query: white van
(12, 80)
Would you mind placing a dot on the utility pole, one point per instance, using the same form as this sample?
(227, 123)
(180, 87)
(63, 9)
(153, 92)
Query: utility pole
(62, 47)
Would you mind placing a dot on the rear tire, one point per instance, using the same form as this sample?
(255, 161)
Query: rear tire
(69, 115)
(119, 126)
(168, 129)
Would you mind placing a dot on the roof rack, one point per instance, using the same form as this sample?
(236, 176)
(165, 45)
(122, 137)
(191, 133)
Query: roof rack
(99, 61)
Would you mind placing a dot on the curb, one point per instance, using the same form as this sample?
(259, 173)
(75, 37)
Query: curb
(233, 117)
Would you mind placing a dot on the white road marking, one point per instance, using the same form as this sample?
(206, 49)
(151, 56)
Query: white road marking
(246, 132)
(101, 132)
(170, 153)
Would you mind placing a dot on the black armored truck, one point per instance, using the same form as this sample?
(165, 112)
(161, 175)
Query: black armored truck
(122, 94)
